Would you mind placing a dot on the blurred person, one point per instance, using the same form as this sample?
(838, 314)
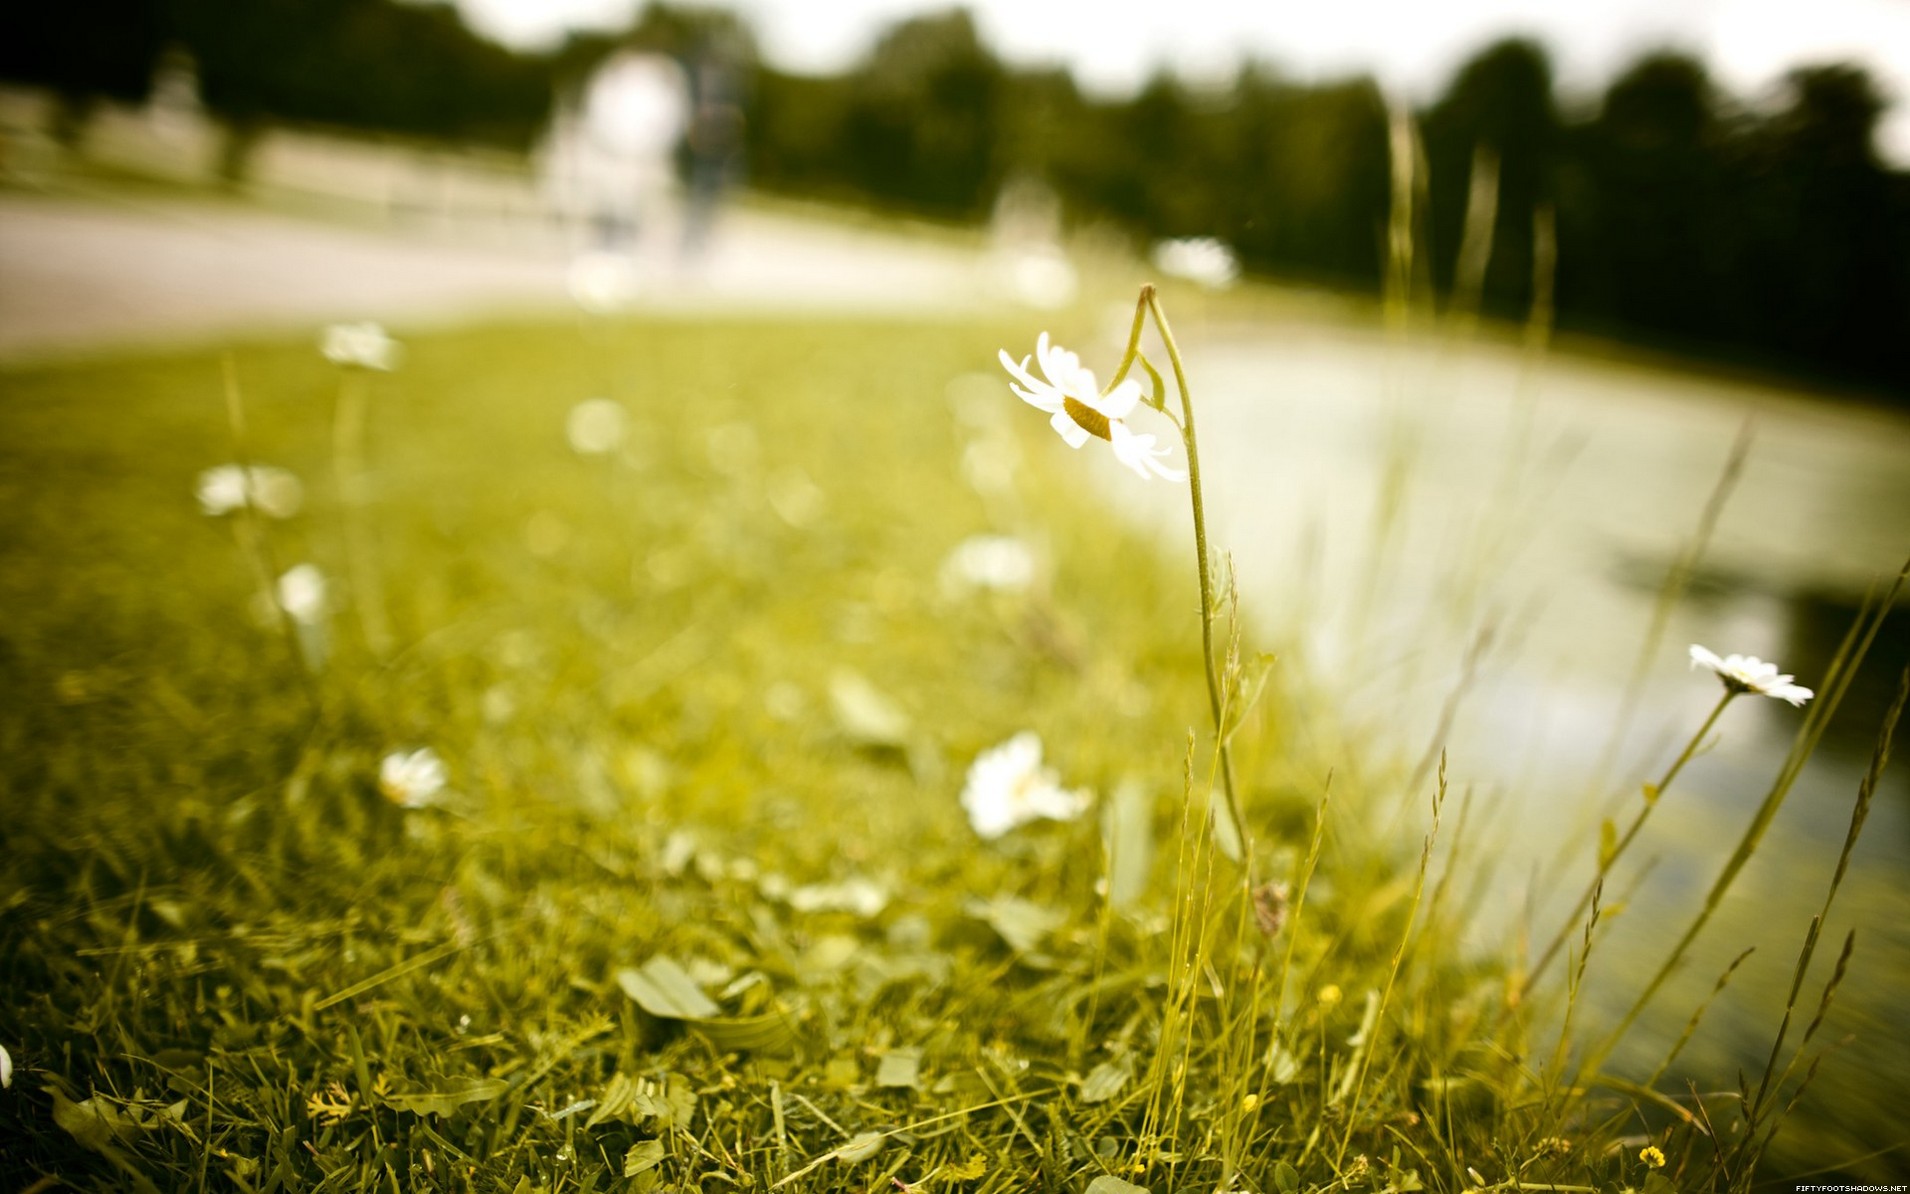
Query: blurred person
(1026, 256)
(715, 139)
(610, 156)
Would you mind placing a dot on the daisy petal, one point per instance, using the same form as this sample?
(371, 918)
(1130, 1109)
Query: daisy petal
(1120, 402)
(1019, 371)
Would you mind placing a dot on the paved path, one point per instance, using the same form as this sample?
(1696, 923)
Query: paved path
(81, 274)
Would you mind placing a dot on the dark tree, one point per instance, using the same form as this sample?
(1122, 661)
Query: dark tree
(83, 50)
(1502, 100)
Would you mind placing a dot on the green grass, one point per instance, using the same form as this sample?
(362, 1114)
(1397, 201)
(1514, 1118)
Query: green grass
(233, 964)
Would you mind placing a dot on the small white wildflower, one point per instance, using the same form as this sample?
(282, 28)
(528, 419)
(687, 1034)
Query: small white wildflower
(1748, 673)
(999, 562)
(603, 283)
(301, 593)
(412, 780)
(1007, 786)
(595, 427)
(6, 1068)
(361, 345)
(272, 491)
(1198, 259)
(1079, 411)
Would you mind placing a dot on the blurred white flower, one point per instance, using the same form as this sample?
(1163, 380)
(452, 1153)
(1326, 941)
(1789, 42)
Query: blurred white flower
(1748, 673)
(1199, 259)
(1079, 410)
(412, 780)
(595, 427)
(1042, 278)
(989, 465)
(603, 283)
(273, 491)
(858, 895)
(1008, 786)
(796, 499)
(363, 345)
(301, 593)
(1000, 562)
(6, 1068)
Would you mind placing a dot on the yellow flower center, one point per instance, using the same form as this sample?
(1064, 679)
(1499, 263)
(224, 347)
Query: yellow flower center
(1086, 417)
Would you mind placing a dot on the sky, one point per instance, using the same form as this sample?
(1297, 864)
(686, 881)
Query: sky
(1411, 45)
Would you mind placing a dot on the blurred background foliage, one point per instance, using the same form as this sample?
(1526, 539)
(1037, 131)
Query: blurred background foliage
(1770, 235)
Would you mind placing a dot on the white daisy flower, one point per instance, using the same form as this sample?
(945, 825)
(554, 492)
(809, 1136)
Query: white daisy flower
(1008, 786)
(301, 593)
(412, 780)
(6, 1068)
(1079, 410)
(595, 427)
(361, 345)
(272, 491)
(1748, 673)
(1198, 259)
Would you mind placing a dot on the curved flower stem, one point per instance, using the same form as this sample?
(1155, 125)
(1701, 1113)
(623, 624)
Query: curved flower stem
(1150, 304)
(1133, 351)
(1610, 859)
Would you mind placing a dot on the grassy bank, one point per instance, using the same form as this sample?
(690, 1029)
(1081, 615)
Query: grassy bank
(698, 905)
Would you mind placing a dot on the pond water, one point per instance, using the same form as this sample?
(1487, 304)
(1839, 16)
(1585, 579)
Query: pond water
(1399, 505)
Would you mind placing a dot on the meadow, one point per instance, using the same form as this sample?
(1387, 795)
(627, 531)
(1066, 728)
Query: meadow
(698, 904)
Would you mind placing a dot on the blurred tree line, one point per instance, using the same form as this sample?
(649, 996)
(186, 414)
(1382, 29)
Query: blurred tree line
(361, 64)
(1772, 235)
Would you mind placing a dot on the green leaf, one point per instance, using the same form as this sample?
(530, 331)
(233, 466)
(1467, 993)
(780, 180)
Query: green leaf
(662, 988)
(1282, 1066)
(611, 1101)
(772, 1032)
(1226, 836)
(1286, 1178)
(899, 1068)
(1022, 924)
(861, 1148)
(1106, 1080)
(444, 1102)
(668, 1104)
(94, 1123)
(642, 1157)
(1107, 1183)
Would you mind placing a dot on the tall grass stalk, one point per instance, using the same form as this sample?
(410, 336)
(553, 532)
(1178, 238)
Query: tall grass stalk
(1406, 157)
(348, 467)
(1475, 243)
(1697, 1016)
(1843, 668)
(1613, 845)
(1375, 1015)
(1749, 1145)
(254, 544)
(1671, 591)
(1677, 580)
(1561, 1051)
